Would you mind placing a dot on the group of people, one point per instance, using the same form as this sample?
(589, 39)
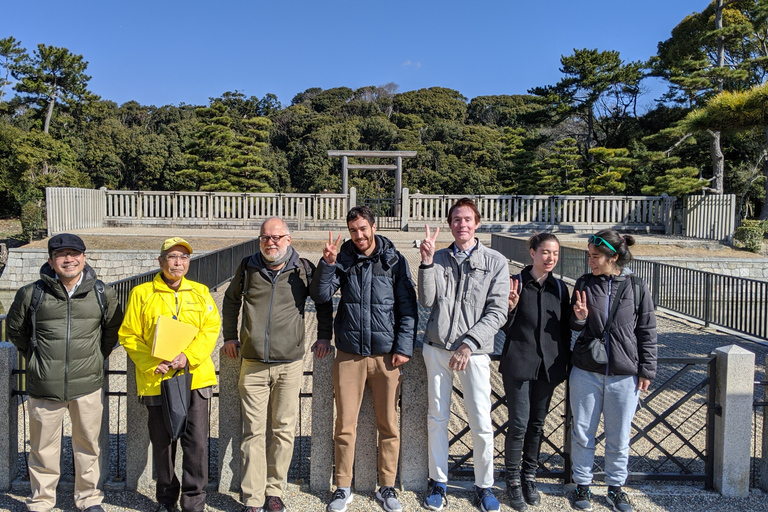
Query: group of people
(68, 322)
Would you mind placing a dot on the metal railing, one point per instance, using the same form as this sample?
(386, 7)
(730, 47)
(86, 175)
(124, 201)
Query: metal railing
(736, 303)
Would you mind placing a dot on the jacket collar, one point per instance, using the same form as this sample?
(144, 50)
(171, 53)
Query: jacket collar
(159, 284)
(49, 278)
(527, 277)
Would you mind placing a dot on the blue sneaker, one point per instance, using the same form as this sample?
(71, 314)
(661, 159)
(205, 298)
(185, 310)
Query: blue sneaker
(485, 499)
(436, 497)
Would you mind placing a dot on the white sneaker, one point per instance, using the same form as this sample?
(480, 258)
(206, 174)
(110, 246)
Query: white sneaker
(341, 498)
(388, 498)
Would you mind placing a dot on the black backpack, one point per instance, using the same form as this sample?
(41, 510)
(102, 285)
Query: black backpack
(37, 299)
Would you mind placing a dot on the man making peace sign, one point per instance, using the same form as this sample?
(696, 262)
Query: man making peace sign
(374, 330)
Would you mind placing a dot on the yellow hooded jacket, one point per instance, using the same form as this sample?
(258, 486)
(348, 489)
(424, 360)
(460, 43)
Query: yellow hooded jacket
(195, 307)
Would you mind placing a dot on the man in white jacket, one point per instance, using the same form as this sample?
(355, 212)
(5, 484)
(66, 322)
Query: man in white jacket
(466, 286)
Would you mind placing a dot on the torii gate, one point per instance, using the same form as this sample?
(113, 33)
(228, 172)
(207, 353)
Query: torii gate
(397, 167)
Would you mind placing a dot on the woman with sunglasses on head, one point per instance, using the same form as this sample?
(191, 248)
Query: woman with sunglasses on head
(608, 379)
(533, 363)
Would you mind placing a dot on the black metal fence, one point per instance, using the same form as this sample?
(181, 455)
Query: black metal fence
(736, 303)
(385, 211)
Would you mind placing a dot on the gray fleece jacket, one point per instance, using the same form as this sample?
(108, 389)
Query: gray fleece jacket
(468, 301)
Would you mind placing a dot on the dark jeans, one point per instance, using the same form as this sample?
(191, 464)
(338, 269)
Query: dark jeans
(194, 445)
(528, 404)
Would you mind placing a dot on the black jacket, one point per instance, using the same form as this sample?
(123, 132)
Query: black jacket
(538, 333)
(272, 329)
(378, 313)
(632, 339)
(71, 344)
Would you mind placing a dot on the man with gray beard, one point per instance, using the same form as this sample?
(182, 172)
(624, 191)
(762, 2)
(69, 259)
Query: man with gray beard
(271, 287)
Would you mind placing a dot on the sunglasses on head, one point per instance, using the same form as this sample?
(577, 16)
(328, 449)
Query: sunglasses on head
(597, 241)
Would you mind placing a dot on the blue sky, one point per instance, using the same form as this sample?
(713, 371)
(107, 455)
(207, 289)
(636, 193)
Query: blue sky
(171, 52)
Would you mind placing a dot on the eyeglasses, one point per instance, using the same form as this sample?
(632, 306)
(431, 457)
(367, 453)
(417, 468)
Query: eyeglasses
(597, 241)
(64, 254)
(275, 238)
(177, 257)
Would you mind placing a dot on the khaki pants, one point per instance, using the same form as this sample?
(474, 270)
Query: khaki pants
(265, 461)
(45, 417)
(350, 374)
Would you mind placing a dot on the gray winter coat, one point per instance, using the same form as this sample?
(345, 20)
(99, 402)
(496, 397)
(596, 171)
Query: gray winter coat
(469, 302)
(631, 344)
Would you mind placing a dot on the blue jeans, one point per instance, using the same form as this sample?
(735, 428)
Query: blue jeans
(614, 397)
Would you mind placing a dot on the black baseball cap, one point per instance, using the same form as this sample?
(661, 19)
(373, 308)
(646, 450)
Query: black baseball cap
(65, 241)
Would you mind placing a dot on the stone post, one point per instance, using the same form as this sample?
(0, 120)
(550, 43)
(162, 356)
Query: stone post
(405, 211)
(414, 453)
(138, 455)
(734, 391)
(9, 440)
(230, 425)
(352, 200)
(321, 453)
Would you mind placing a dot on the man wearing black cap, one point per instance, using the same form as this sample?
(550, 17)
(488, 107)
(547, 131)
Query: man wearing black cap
(66, 324)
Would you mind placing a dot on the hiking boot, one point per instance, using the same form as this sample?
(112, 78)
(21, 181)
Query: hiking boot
(436, 497)
(617, 500)
(341, 498)
(582, 498)
(274, 504)
(515, 495)
(485, 499)
(388, 499)
(530, 493)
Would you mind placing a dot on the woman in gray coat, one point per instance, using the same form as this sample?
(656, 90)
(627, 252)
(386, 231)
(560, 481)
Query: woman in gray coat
(610, 388)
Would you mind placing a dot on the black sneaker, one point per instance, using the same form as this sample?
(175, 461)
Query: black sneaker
(617, 500)
(274, 504)
(530, 493)
(582, 498)
(515, 495)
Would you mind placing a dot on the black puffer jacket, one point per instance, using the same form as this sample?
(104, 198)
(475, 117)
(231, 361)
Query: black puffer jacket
(378, 313)
(71, 345)
(632, 338)
(538, 332)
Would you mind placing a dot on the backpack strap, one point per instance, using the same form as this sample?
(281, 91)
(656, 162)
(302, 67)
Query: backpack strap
(101, 298)
(639, 292)
(244, 276)
(307, 269)
(34, 305)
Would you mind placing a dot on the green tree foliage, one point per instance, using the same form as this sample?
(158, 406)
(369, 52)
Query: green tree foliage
(608, 169)
(560, 171)
(11, 56)
(52, 74)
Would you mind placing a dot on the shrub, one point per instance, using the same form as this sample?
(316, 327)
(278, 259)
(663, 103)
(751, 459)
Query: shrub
(750, 234)
(31, 219)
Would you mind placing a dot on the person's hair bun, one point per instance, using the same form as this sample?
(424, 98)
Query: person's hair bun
(629, 240)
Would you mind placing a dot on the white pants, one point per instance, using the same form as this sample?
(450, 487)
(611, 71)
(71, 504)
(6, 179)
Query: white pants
(476, 384)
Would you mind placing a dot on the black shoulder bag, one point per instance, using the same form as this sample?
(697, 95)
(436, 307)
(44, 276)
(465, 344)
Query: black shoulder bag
(590, 354)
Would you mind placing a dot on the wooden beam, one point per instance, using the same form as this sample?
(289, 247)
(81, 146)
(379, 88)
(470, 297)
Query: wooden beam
(377, 167)
(372, 154)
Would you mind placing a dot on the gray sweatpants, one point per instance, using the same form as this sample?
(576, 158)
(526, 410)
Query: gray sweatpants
(593, 394)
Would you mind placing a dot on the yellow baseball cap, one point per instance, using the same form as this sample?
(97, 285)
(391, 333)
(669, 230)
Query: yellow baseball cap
(175, 241)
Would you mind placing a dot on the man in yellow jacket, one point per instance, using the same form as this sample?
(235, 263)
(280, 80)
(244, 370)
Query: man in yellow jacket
(170, 294)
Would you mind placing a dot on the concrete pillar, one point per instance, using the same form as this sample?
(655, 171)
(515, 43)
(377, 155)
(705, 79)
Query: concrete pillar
(321, 453)
(398, 184)
(414, 452)
(734, 391)
(8, 417)
(352, 200)
(230, 425)
(301, 219)
(405, 211)
(138, 457)
(344, 175)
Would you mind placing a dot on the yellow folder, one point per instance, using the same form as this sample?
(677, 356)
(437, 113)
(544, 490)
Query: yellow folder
(171, 337)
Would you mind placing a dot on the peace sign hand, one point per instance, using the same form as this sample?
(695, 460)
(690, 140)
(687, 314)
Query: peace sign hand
(580, 306)
(427, 247)
(514, 296)
(331, 249)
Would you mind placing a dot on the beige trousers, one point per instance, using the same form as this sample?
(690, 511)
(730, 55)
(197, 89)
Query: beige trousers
(351, 372)
(266, 453)
(45, 429)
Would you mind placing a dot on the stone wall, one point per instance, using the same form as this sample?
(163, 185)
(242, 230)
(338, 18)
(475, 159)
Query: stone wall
(23, 265)
(756, 268)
